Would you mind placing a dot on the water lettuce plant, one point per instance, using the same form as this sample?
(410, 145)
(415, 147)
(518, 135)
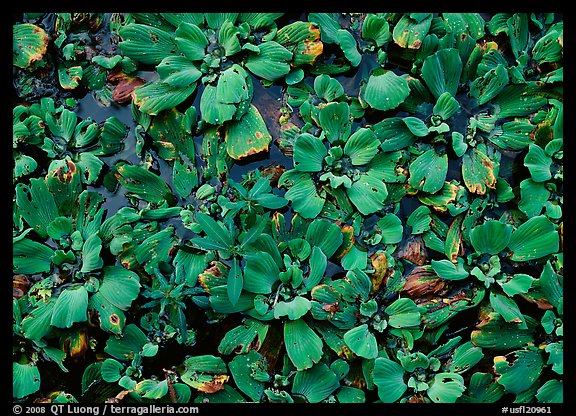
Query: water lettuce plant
(243, 207)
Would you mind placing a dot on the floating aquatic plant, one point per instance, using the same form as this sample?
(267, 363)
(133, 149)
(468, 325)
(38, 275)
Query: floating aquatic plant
(278, 208)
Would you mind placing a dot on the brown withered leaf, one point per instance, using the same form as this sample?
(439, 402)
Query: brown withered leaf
(214, 385)
(347, 242)
(122, 93)
(380, 264)
(20, 286)
(273, 172)
(413, 250)
(423, 281)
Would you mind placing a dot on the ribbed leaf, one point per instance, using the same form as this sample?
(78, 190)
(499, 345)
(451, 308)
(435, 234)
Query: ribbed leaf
(428, 171)
(362, 342)
(409, 33)
(386, 91)
(309, 153)
(29, 44)
(491, 237)
(441, 72)
(248, 336)
(361, 146)
(303, 195)
(315, 384)
(178, 71)
(388, 376)
(325, 235)
(146, 44)
(271, 63)
(71, 307)
(154, 97)
(534, 239)
(25, 379)
(119, 286)
(303, 345)
(260, 273)
(368, 194)
(247, 136)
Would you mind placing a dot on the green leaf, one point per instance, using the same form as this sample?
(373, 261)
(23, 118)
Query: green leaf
(176, 71)
(361, 146)
(465, 357)
(152, 389)
(334, 118)
(328, 88)
(551, 392)
(318, 262)
(144, 184)
(303, 195)
(36, 205)
(242, 368)
(309, 153)
(388, 377)
(125, 348)
(294, 309)
(91, 259)
(441, 72)
(154, 97)
(519, 369)
(391, 229)
(71, 307)
(403, 313)
(538, 163)
(446, 106)
(495, 333)
(491, 237)
(119, 286)
(303, 345)
(349, 47)
(111, 370)
(271, 62)
(419, 220)
(247, 136)
(446, 388)
(534, 239)
(450, 271)
(29, 44)
(325, 235)
(37, 323)
(367, 194)
(428, 171)
(25, 379)
(386, 91)
(315, 384)
(234, 282)
(482, 389)
(228, 38)
(490, 85)
(30, 257)
(478, 172)
(261, 273)
(245, 337)
(362, 342)
(69, 77)
(146, 44)
(507, 308)
(394, 134)
(533, 197)
(217, 20)
(376, 29)
(409, 33)
(214, 230)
